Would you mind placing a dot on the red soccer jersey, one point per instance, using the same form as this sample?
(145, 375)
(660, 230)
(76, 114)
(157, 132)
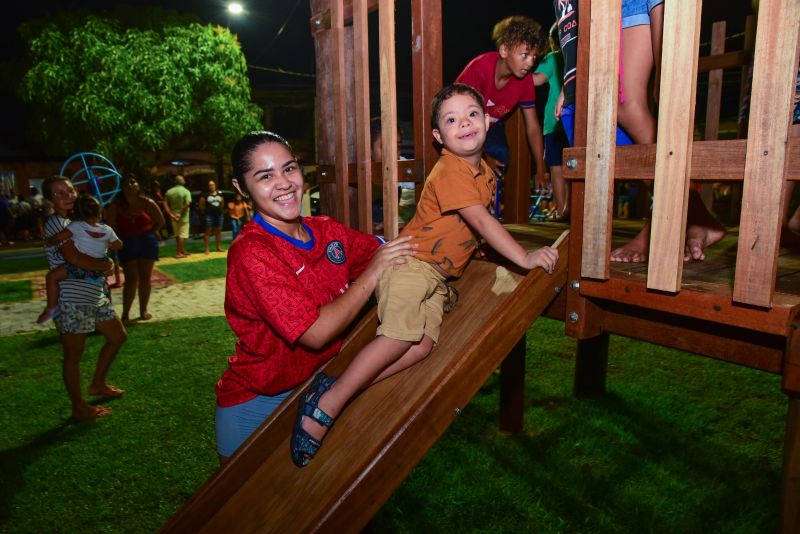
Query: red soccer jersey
(273, 292)
(479, 73)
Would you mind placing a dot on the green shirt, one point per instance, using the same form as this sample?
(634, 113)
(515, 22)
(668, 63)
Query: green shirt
(551, 66)
(178, 197)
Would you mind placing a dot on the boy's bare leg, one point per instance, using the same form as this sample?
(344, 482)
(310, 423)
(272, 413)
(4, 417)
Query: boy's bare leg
(560, 191)
(416, 353)
(373, 360)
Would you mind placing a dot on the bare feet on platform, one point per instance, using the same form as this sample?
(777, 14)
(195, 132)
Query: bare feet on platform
(106, 391)
(88, 412)
(636, 250)
(698, 237)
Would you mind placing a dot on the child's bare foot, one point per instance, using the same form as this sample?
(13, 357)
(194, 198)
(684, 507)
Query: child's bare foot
(107, 391)
(146, 316)
(699, 237)
(635, 250)
(87, 412)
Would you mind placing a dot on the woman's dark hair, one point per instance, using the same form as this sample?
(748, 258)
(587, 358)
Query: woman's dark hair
(121, 198)
(86, 207)
(240, 156)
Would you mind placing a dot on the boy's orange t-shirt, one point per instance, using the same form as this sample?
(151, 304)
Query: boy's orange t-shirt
(443, 236)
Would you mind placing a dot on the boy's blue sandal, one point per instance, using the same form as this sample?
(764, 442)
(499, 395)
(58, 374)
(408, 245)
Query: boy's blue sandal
(303, 446)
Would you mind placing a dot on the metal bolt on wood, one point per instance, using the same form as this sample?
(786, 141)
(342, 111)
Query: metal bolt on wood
(575, 284)
(572, 163)
(573, 317)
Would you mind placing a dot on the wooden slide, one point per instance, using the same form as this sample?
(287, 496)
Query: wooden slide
(385, 431)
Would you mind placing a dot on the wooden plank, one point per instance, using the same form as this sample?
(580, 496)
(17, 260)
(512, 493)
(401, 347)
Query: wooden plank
(601, 138)
(713, 101)
(517, 179)
(674, 149)
(714, 307)
(743, 347)
(791, 363)
(383, 433)
(326, 174)
(342, 206)
(426, 72)
(724, 60)
(388, 76)
(774, 72)
(512, 388)
(716, 161)
(362, 133)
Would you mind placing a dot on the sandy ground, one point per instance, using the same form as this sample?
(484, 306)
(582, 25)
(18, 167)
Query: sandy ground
(168, 301)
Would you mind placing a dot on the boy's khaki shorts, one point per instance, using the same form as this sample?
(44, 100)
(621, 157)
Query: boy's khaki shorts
(411, 300)
(180, 229)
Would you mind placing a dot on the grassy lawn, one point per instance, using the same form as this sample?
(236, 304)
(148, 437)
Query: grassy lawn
(196, 270)
(15, 291)
(679, 444)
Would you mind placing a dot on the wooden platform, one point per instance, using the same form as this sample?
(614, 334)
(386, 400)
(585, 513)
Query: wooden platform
(385, 431)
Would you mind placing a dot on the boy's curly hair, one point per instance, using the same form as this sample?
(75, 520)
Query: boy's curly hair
(516, 30)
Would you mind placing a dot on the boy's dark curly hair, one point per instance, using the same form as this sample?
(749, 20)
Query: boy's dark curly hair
(448, 91)
(516, 30)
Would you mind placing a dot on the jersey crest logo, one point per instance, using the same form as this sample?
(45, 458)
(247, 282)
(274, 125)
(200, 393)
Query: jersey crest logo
(335, 252)
(489, 103)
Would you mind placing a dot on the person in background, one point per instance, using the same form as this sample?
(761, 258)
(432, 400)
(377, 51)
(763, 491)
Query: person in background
(504, 79)
(85, 307)
(178, 201)
(237, 213)
(137, 220)
(212, 205)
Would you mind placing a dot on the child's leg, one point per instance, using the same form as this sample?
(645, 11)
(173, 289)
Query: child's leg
(371, 363)
(52, 278)
(416, 353)
(633, 113)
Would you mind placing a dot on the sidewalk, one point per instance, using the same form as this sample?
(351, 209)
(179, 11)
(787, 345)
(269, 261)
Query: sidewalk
(168, 300)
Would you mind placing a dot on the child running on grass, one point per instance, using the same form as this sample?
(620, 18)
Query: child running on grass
(451, 217)
(91, 237)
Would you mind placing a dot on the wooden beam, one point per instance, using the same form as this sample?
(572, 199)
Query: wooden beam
(426, 72)
(601, 138)
(674, 148)
(342, 206)
(512, 388)
(326, 174)
(714, 94)
(714, 161)
(774, 75)
(713, 304)
(388, 76)
(790, 511)
(722, 60)
(362, 133)
(517, 180)
(322, 20)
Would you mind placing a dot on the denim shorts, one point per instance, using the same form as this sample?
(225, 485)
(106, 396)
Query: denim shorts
(235, 424)
(139, 247)
(214, 221)
(637, 12)
(568, 121)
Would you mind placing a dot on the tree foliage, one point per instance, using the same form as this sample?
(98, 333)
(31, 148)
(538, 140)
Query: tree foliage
(128, 91)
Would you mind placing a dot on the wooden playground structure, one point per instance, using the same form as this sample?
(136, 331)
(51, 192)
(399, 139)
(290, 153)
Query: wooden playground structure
(742, 309)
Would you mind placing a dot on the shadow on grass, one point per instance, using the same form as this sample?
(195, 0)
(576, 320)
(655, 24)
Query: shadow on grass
(14, 461)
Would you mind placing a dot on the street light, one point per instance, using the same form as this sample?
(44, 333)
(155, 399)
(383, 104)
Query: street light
(235, 8)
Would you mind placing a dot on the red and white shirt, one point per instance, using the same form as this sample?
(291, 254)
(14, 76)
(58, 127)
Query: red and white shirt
(479, 73)
(274, 289)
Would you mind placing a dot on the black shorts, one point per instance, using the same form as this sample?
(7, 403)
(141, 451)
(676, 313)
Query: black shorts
(139, 247)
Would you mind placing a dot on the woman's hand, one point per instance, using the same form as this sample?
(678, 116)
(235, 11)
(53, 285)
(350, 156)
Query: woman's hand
(391, 253)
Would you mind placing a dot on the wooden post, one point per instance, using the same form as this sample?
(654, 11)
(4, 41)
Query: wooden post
(601, 142)
(517, 181)
(744, 99)
(388, 115)
(713, 102)
(790, 502)
(512, 388)
(591, 367)
(674, 148)
(342, 208)
(426, 64)
(774, 72)
(362, 131)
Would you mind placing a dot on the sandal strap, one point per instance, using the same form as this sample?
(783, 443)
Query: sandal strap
(317, 415)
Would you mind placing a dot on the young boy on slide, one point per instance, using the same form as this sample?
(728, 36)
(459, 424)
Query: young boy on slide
(451, 217)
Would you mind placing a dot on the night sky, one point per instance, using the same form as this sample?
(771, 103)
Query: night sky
(466, 33)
